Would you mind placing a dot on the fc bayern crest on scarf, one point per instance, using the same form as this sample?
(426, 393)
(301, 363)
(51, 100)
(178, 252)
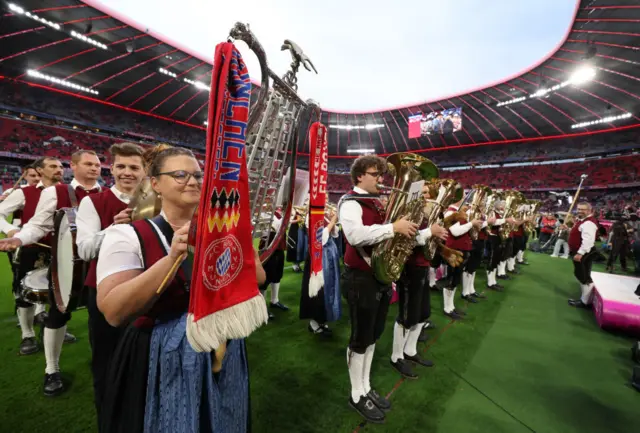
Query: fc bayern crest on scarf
(318, 164)
(225, 302)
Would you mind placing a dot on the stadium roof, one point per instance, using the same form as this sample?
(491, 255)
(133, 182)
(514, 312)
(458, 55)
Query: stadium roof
(122, 62)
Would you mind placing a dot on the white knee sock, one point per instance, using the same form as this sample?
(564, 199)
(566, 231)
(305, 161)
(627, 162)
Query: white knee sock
(586, 293)
(520, 256)
(355, 361)
(53, 340)
(444, 271)
(471, 284)
(40, 308)
(25, 317)
(411, 345)
(366, 372)
(490, 278)
(501, 268)
(465, 283)
(432, 277)
(511, 263)
(400, 336)
(447, 296)
(275, 290)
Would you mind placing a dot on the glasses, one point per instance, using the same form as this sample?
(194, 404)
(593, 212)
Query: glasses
(373, 173)
(182, 177)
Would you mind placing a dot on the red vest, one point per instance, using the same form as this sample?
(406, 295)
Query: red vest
(496, 229)
(519, 232)
(62, 193)
(575, 237)
(417, 258)
(31, 199)
(372, 213)
(175, 298)
(460, 243)
(107, 206)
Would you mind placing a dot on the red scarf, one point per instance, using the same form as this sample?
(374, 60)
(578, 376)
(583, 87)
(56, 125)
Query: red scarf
(318, 162)
(225, 302)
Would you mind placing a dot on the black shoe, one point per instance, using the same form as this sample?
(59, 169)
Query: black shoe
(478, 295)
(579, 304)
(322, 330)
(382, 403)
(454, 315)
(404, 368)
(423, 336)
(29, 346)
(497, 287)
(279, 305)
(470, 298)
(523, 263)
(53, 385)
(271, 316)
(296, 268)
(503, 277)
(69, 338)
(435, 288)
(416, 359)
(514, 272)
(430, 325)
(368, 409)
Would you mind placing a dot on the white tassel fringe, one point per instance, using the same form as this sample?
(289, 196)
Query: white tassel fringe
(238, 321)
(316, 281)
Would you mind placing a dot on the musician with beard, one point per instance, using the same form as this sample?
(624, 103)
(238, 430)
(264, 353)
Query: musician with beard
(96, 213)
(459, 239)
(362, 218)
(582, 239)
(23, 201)
(414, 302)
(86, 170)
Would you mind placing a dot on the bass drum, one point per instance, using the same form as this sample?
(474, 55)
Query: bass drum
(68, 270)
(35, 287)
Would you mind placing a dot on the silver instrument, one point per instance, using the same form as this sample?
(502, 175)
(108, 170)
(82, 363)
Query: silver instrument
(272, 137)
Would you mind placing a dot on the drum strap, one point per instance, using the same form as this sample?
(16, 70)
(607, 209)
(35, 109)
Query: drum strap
(72, 196)
(167, 231)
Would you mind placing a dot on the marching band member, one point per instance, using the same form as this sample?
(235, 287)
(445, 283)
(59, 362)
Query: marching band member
(519, 241)
(414, 303)
(582, 239)
(460, 240)
(133, 262)
(95, 214)
(274, 266)
(362, 218)
(30, 175)
(475, 258)
(325, 306)
(292, 243)
(495, 248)
(86, 170)
(24, 201)
(505, 248)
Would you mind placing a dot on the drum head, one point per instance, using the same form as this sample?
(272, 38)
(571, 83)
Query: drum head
(35, 286)
(65, 263)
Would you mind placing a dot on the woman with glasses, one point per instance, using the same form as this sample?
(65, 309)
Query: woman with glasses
(156, 382)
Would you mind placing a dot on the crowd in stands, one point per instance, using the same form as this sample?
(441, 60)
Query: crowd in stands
(20, 97)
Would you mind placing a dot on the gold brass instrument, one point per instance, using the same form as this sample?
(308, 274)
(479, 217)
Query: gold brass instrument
(513, 199)
(389, 257)
(446, 192)
(476, 210)
(490, 207)
(145, 202)
(534, 207)
(302, 214)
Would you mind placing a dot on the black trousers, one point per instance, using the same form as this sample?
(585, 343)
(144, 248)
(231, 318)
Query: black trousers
(414, 296)
(29, 257)
(619, 248)
(368, 301)
(507, 252)
(495, 252)
(475, 256)
(456, 273)
(55, 319)
(519, 244)
(103, 339)
(582, 269)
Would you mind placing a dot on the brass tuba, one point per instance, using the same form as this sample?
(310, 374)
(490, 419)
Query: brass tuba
(446, 192)
(272, 137)
(513, 200)
(389, 257)
(476, 210)
(534, 207)
(145, 202)
(490, 206)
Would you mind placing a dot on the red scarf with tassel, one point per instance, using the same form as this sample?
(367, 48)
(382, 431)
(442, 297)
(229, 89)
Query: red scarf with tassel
(224, 301)
(318, 161)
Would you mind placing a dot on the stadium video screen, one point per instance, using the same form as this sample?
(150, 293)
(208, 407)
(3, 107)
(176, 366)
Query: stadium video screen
(437, 122)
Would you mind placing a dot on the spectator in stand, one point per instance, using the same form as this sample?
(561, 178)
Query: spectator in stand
(548, 226)
(634, 225)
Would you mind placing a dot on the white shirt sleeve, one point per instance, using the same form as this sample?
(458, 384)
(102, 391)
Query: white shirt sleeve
(42, 221)
(588, 230)
(14, 202)
(89, 235)
(120, 251)
(358, 234)
(500, 222)
(458, 230)
(423, 235)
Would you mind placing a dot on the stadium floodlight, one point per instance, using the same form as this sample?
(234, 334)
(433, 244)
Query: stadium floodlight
(205, 123)
(582, 75)
(20, 11)
(361, 150)
(35, 74)
(368, 126)
(198, 84)
(607, 119)
(88, 40)
(169, 73)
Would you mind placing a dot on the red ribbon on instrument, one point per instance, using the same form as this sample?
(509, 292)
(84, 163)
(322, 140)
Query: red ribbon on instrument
(225, 302)
(318, 162)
